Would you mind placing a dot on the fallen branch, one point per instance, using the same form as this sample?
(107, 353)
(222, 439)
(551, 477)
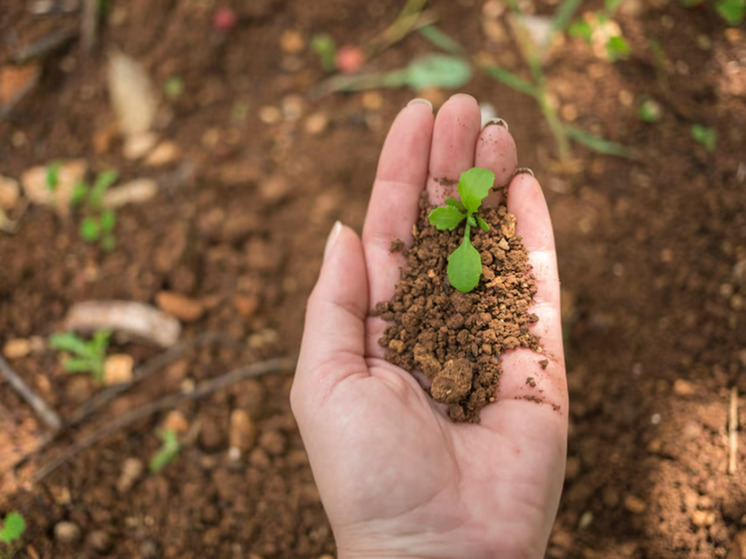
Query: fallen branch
(45, 413)
(156, 363)
(733, 432)
(282, 364)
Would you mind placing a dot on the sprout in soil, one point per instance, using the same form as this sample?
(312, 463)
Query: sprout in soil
(464, 263)
(83, 356)
(12, 528)
(168, 451)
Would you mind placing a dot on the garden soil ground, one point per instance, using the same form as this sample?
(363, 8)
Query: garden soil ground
(652, 258)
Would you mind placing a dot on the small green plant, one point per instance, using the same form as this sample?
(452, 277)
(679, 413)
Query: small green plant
(325, 46)
(13, 527)
(98, 222)
(85, 356)
(617, 47)
(173, 87)
(648, 110)
(168, 451)
(53, 175)
(464, 263)
(732, 11)
(705, 136)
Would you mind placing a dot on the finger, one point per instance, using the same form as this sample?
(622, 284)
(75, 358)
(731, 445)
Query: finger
(455, 136)
(527, 374)
(394, 201)
(334, 335)
(496, 151)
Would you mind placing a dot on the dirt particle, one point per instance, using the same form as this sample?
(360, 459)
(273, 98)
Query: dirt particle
(544, 363)
(99, 541)
(634, 504)
(182, 307)
(531, 382)
(396, 246)
(66, 532)
(453, 383)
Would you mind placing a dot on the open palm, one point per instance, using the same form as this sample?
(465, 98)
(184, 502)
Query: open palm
(397, 477)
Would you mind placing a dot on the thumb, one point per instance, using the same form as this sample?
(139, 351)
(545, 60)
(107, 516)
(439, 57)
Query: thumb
(333, 342)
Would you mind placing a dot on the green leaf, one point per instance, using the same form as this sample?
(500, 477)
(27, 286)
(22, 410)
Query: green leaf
(732, 11)
(90, 230)
(473, 187)
(611, 6)
(564, 14)
(78, 365)
(581, 29)
(437, 70)
(511, 80)
(173, 87)
(167, 453)
(108, 243)
(649, 111)
(597, 144)
(108, 221)
(617, 47)
(471, 221)
(483, 224)
(441, 40)
(103, 181)
(464, 267)
(53, 175)
(705, 136)
(446, 217)
(100, 341)
(325, 46)
(455, 204)
(70, 342)
(79, 193)
(14, 526)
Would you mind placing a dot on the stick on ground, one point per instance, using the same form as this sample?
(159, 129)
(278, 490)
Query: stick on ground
(733, 432)
(45, 413)
(282, 364)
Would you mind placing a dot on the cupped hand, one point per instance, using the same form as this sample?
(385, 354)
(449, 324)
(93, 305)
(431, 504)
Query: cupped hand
(396, 476)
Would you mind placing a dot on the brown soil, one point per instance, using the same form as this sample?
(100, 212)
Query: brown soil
(652, 256)
(456, 339)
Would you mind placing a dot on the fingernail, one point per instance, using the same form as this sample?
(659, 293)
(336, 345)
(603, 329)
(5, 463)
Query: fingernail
(497, 122)
(466, 95)
(523, 170)
(333, 235)
(420, 100)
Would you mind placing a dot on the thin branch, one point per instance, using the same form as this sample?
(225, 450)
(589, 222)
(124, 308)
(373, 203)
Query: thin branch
(733, 432)
(282, 364)
(45, 413)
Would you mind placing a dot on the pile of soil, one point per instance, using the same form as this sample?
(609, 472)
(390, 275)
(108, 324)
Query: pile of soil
(456, 339)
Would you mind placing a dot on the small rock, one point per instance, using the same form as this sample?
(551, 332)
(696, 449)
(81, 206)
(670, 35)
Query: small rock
(270, 114)
(16, 348)
(263, 338)
(292, 42)
(66, 532)
(9, 193)
(508, 228)
(372, 100)
(273, 442)
(243, 431)
(246, 305)
(137, 191)
(634, 504)
(176, 421)
(138, 146)
(149, 549)
(182, 307)
(99, 541)
(118, 369)
(397, 345)
(503, 244)
(165, 153)
(316, 124)
(683, 387)
(132, 94)
(274, 188)
(38, 191)
(293, 107)
(132, 470)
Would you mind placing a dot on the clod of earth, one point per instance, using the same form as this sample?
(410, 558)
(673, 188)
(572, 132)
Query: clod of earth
(456, 339)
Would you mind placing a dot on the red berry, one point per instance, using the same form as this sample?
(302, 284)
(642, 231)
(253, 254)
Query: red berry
(349, 59)
(224, 19)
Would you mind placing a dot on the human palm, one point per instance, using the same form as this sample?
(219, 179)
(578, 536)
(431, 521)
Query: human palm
(397, 477)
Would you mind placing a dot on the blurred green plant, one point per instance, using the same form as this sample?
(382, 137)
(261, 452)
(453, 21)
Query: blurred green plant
(732, 11)
(326, 48)
(600, 22)
(705, 136)
(13, 527)
(53, 175)
(173, 87)
(86, 356)
(168, 451)
(648, 110)
(98, 222)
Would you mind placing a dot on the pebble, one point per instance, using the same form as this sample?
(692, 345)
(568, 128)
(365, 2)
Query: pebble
(273, 442)
(66, 532)
(242, 431)
(182, 307)
(634, 504)
(176, 421)
(683, 387)
(702, 518)
(98, 540)
(132, 470)
(246, 305)
(36, 189)
(138, 146)
(316, 124)
(10, 192)
(165, 153)
(16, 348)
(118, 369)
(291, 41)
(274, 188)
(270, 114)
(137, 191)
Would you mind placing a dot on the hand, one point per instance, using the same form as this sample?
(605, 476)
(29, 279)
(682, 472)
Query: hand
(396, 476)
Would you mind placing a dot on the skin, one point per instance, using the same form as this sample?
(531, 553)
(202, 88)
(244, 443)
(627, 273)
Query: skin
(397, 478)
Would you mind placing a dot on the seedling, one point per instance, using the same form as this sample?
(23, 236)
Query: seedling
(53, 175)
(464, 263)
(325, 46)
(85, 356)
(168, 451)
(173, 87)
(705, 136)
(649, 111)
(99, 222)
(13, 527)
(732, 11)
(599, 23)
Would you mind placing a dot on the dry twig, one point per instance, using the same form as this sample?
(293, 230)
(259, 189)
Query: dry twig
(282, 364)
(733, 432)
(47, 414)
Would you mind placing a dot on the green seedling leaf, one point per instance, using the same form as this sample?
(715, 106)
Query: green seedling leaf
(446, 217)
(108, 243)
(167, 453)
(78, 365)
(473, 187)
(14, 526)
(103, 181)
(597, 144)
(455, 204)
(511, 80)
(705, 136)
(649, 111)
(71, 343)
(617, 48)
(90, 230)
(437, 70)
(464, 267)
(581, 30)
(53, 175)
(173, 87)
(441, 40)
(108, 221)
(564, 14)
(482, 224)
(732, 11)
(323, 45)
(79, 194)
(471, 221)
(611, 6)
